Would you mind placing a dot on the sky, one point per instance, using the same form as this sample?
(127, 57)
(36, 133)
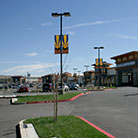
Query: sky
(27, 32)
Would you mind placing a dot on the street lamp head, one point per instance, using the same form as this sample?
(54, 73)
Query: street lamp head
(74, 68)
(61, 14)
(101, 47)
(86, 65)
(55, 14)
(66, 14)
(95, 47)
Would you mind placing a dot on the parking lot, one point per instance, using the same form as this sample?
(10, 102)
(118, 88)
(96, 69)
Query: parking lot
(115, 111)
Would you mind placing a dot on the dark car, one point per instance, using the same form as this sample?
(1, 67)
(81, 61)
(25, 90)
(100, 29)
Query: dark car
(73, 86)
(23, 89)
(47, 87)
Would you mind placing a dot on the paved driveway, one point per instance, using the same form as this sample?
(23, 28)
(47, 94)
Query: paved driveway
(10, 115)
(115, 111)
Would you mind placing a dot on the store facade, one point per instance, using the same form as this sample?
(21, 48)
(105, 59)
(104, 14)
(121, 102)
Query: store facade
(127, 69)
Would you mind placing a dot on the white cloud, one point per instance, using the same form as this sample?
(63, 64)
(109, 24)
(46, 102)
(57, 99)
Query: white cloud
(28, 68)
(71, 33)
(123, 36)
(32, 54)
(90, 23)
(46, 24)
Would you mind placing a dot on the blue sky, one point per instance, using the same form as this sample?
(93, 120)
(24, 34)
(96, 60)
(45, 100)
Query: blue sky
(27, 32)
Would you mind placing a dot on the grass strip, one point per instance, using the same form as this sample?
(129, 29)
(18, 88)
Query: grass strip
(65, 127)
(38, 98)
(111, 87)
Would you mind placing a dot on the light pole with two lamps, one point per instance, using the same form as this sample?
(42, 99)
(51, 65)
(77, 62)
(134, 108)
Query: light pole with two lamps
(99, 70)
(61, 48)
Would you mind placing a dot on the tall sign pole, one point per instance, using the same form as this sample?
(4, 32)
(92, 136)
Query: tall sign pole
(61, 47)
(99, 62)
(61, 51)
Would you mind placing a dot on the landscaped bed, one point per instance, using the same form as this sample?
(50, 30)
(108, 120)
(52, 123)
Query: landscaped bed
(65, 127)
(39, 98)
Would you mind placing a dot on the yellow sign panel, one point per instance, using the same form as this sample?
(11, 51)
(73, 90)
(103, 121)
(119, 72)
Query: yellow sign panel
(65, 44)
(64, 39)
(99, 62)
(57, 44)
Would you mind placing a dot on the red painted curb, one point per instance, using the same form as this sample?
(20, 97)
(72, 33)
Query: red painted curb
(96, 90)
(102, 89)
(41, 102)
(96, 127)
(108, 89)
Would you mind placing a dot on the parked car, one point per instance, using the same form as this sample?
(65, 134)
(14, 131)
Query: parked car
(77, 85)
(47, 87)
(65, 87)
(73, 86)
(23, 89)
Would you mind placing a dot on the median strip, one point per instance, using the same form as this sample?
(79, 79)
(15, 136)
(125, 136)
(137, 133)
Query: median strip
(40, 99)
(66, 126)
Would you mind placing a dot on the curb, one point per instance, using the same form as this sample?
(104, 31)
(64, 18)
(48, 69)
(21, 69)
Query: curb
(101, 89)
(96, 90)
(13, 100)
(96, 127)
(7, 96)
(27, 130)
(42, 102)
(109, 89)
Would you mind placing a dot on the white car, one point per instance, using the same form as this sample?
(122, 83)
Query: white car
(65, 87)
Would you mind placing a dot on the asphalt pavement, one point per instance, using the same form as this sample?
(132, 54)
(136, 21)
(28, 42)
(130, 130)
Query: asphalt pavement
(115, 111)
(10, 115)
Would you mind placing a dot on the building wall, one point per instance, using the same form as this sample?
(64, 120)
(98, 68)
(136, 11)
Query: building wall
(118, 78)
(89, 77)
(5, 79)
(122, 79)
(135, 77)
(127, 69)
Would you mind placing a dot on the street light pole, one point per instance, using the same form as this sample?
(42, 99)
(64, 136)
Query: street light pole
(75, 74)
(99, 71)
(61, 48)
(86, 66)
(74, 70)
(79, 77)
(86, 76)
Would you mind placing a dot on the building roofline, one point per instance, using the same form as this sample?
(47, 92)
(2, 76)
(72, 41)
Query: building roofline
(17, 76)
(126, 54)
(92, 71)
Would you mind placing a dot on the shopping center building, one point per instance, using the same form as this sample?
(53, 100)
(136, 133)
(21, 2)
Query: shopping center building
(127, 69)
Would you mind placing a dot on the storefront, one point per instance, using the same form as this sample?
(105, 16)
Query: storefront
(127, 69)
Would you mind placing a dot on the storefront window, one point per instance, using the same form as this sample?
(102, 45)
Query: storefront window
(136, 55)
(131, 57)
(119, 60)
(124, 58)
